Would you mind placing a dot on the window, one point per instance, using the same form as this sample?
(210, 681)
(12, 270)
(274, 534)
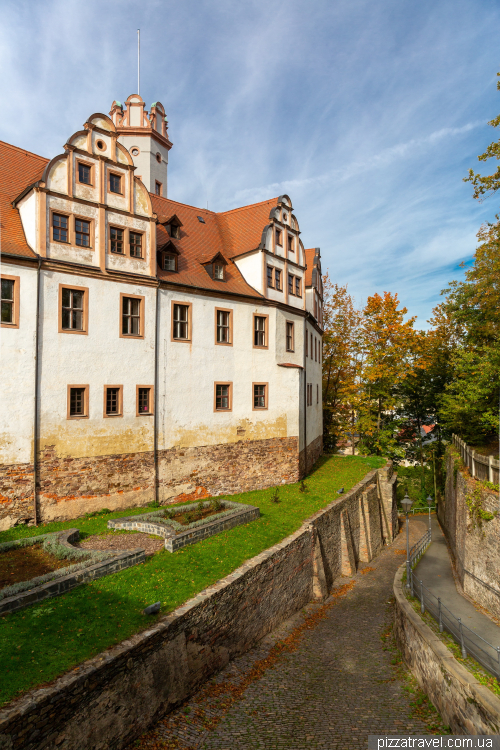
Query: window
(158, 158)
(113, 401)
(174, 231)
(84, 173)
(298, 291)
(307, 348)
(115, 183)
(72, 309)
(223, 397)
(309, 394)
(219, 271)
(290, 243)
(278, 236)
(223, 326)
(259, 396)
(317, 393)
(270, 276)
(131, 316)
(134, 151)
(158, 188)
(290, 283)
(10, 301)
(315, 349)
(144, 400)
(181, 328)
(78, 401)
(116, 240)
(135, 244)
(169, 262)
(277, 279)
(260, 331)
(82, 233)
(101, 145)
(59, 228)
(289, 337)
(311, 346)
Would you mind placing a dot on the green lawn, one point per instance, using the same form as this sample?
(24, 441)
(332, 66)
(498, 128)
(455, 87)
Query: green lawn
(41, 642)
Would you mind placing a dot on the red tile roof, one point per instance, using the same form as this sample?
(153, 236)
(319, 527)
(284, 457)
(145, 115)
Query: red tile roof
(310, 253)
(18, 169)
(230, 233)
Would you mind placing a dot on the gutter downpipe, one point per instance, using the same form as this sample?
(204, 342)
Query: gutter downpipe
(155, 416)
(305, 396)
(37, 396)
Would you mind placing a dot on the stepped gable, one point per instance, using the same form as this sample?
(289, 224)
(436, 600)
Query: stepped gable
(18, 170)
(242, 228)
(310, 256)
(199, 243)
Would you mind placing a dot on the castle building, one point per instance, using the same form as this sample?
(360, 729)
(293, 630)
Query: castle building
(150, 350)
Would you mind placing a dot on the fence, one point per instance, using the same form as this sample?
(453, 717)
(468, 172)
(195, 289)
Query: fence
(481, 467)
(470, 642)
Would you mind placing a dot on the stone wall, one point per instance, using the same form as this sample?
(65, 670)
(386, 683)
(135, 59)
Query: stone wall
(16, 494)
(70, 487)
(475, 549)
(464, 704)
(314, 451)
(111, 699)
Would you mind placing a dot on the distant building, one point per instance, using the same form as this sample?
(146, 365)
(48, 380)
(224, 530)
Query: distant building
(149, 349)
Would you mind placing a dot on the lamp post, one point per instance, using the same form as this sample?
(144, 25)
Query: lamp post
(429, 503)
(407, 503)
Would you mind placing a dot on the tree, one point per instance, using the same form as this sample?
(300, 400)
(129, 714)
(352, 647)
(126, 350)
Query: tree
(340, 363)
(483, 185)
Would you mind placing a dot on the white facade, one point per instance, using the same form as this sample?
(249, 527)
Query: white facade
(180, 376)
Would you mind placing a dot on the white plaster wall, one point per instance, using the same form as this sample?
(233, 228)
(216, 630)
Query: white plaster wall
(314, 376)
(148, 168)
(28, 211)
(17, 373)
(97, 359)
(58, 177)
(188, 372)
(294, 301)
(251, 268)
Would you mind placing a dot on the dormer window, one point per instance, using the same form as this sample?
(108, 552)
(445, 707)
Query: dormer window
(219, 271)
(169, 262)
(174, 231)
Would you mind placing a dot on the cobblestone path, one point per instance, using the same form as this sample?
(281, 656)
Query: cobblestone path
(321, 680)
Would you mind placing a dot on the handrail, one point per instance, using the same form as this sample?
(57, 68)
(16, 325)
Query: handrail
(470, 642)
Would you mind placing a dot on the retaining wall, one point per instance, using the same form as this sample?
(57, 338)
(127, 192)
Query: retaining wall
(464, 704)
(110, 700)
(475, 550)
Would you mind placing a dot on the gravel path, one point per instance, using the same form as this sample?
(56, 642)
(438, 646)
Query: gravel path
(324, 679)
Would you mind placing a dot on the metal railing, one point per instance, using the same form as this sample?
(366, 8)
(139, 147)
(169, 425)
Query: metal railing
(470, 642)
(485, 468)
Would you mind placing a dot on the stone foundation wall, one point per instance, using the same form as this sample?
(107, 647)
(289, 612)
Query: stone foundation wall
(71, 487)
(475, 550)
(314, 451)
(111, 699)
(16, 494)
(464, 704)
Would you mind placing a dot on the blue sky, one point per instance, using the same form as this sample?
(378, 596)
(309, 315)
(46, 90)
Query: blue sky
(368, 114)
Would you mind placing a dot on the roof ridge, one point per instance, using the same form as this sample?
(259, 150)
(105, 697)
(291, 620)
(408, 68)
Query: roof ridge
(24, 150)
(186, 205)
(250, 205)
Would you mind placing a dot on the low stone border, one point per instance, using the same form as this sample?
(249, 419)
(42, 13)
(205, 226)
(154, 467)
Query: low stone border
(66, 582)
(195, 532)
(464, 704)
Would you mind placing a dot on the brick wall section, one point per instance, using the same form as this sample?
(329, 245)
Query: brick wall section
(476, 551)
(111, 699)
(16, 491)
(464, 704)
(70, 487)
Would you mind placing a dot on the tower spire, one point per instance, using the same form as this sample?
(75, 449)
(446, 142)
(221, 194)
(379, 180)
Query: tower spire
(139, 61)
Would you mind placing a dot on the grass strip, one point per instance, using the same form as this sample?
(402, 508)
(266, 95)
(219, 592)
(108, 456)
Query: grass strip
(40, 643)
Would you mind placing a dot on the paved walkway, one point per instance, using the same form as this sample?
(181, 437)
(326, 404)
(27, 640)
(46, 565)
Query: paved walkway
(434, 569)
(322, 680)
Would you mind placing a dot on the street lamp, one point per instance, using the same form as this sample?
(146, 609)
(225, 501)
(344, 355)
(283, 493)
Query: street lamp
(407, 503)
(429, 503)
